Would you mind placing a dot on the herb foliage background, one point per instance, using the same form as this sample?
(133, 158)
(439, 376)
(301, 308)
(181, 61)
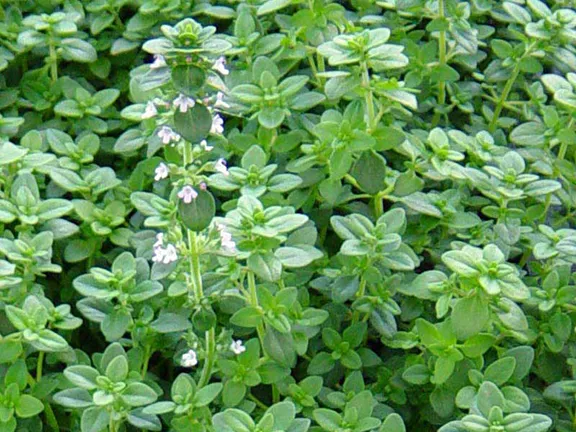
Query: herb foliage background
(287, 215)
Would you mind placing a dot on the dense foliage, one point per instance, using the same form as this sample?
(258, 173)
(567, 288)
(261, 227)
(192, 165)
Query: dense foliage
(287, 215)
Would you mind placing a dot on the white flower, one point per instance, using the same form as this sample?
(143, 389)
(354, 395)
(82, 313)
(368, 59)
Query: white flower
(167, 135)
(226, 238)
(161, 172)
(159, 240)
(162, 254)
(165, 255)
(221, 167)
(159, 61)
(189, 359)
(150, 111)
(184, 103)
(237, 347)
(187, 194)
(217, 125)
(204, 146)
(220, 101)
(170, 254)
(220, 66)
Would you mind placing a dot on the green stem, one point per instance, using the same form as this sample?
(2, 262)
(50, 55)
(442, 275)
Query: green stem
(442, 62)
(321, 67)
(361, 292)
(378, 206)
(564, 145)
(39, 365)
(194, 264)
(254, 302)
(146, 361)
(379, 200)
(112, 424)
(50, 417)
(257, 401)
(507, 89)
(210, 357)
(195, 290)
(503, 98)
(368, 96)
(313, 67)
(53, 58)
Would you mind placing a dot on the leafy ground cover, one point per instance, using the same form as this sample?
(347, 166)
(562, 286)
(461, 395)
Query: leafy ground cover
(287, 216)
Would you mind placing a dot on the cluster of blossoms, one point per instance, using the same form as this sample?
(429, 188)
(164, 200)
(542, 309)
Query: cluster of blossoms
(162, 254)
(183, 103)
(190, 358)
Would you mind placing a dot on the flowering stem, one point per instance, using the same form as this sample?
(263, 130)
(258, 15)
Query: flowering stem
(195, 266)
(197, 289)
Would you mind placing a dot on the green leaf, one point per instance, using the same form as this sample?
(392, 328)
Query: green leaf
(138, 394)
(94, 419)
(74, 398)
(500, 371)
(370, 172)
(489, 396)
(194, 124)
(170, 322)
(247, 317)
(78, 50)
(198, 214)
(265, 266)
(470, 316)
(444, 73)
(188, 79)
(82, 376)
(272, 6)
(393, 423)
(28, 406)
(280, 347)
(327, 419)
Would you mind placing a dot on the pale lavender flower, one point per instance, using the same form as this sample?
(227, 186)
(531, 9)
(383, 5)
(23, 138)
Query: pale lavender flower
(187, 194)
(170, 254)
(220, 66)
(159, 61)
(184, 103)
(150, 111)
(221, 167)
(204, 146)
(164, 255)
(167, 135)
(159, 240)
(220, 101)
(217, 125)
(226, 238)
(161, 172)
